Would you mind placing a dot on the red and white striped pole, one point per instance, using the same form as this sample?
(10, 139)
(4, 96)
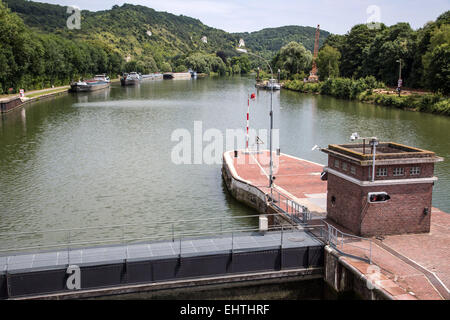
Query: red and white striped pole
(248, 122)
(250, 97)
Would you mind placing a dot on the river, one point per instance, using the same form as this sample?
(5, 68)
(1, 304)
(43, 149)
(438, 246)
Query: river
(104, 158)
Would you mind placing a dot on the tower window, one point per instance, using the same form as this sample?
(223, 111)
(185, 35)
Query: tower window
(414, 171)
(353, 170)
(344, 166)
(382, 172)
(399, 172)
(336, 163)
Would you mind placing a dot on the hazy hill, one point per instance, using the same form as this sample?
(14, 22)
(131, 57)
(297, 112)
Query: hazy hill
(125, 28)
(269, 41)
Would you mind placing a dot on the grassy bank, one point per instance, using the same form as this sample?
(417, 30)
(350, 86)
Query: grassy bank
(368, 90)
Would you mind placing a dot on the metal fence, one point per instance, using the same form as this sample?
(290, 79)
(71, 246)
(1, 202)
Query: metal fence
(296, 212)
(175, 231)
(347, 244)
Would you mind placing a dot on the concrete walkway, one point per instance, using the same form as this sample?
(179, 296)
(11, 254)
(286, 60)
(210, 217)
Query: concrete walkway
(297, 179)
(408, 267)
(415, 266)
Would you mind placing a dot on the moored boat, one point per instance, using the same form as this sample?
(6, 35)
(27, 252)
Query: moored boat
(130, 79)
(177, 75)
(97, 83)
(152, 76)
(268, 85)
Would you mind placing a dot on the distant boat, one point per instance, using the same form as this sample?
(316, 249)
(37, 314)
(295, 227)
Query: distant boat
(130, 79)
(152, 76)
(98, 82)
(269, 85)
(272, 84)
(177, 75)
(193, 73)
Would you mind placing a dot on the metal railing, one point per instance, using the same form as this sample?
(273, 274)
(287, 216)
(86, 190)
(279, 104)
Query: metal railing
(174, 231)
(344, 242)
(296, 212)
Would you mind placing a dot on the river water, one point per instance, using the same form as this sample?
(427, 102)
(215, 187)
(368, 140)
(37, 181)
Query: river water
(105, 158)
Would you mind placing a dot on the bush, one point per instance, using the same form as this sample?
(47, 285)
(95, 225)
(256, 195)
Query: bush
(342, 88)
(181, 68)
(442, 107)
(427, 101)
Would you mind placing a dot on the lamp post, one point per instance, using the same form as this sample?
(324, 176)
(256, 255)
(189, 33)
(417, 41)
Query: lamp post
(241, 50)
(400, 81)
(374, 143)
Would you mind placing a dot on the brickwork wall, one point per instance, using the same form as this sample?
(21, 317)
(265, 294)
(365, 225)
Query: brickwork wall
(348, 205)
(404, 213)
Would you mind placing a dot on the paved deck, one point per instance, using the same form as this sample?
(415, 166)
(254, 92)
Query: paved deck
(411, 267)
(296, 178)
(414, 266)
(155, 251)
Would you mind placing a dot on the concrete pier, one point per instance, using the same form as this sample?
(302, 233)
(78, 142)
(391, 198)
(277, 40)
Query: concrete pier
(247, 178)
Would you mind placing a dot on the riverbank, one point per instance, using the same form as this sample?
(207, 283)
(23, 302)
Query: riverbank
(13, 102)
(368, 90)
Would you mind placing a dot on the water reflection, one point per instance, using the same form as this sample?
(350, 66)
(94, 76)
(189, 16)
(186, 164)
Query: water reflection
(104, 158)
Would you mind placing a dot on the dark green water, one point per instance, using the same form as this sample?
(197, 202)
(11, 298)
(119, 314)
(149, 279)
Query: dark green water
(105, 158)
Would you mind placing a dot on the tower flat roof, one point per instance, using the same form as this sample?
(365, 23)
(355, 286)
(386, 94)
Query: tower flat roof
(386, 153)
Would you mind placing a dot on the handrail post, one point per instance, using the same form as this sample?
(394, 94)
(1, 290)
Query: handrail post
(281, 249)
(282, 231)
(232, 242)
(68, 247)
(173, 233)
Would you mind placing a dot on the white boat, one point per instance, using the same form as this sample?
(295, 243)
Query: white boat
(273, 85)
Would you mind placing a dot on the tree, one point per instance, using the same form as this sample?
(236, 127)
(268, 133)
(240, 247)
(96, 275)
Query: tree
(354, 49)
(328, 62)
(438, 69)
(166, 67)
(293, 59)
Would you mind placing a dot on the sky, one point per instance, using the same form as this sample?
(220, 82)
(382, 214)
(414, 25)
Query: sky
(336, 16)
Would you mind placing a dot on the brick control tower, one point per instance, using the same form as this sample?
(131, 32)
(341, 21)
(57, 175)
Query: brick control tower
(397, 201)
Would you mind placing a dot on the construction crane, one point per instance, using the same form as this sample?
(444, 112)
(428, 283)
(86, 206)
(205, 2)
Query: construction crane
(313, 74)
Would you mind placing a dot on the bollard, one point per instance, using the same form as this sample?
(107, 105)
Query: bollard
(236, 153)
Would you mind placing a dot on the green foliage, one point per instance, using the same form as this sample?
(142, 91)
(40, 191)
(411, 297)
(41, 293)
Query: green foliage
(181, 68)
(33, 60)
(268, 42)
(166, 67)
(204, 63)
(292, 59)
(353, 50)
(362, 90)
(328, 62)
(240, 64)
(436, 61)
(424, 54)
(111, 36)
